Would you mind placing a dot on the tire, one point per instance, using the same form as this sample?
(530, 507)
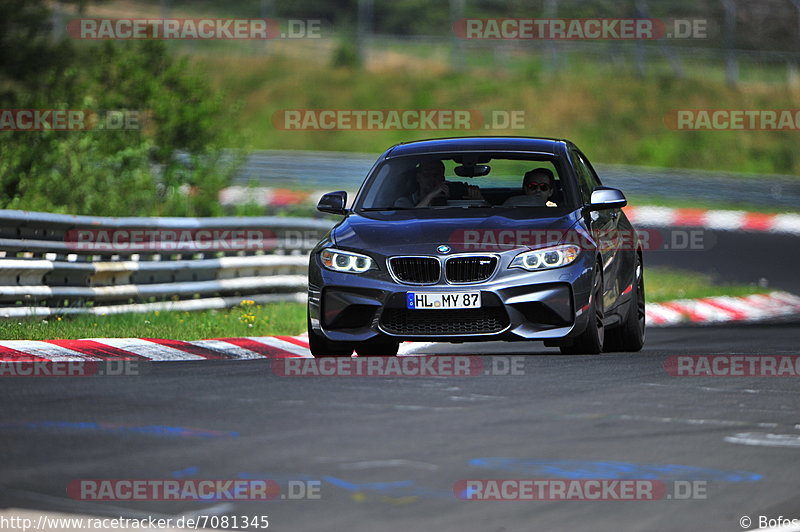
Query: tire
(322, 347)
(629, 337)
(378, 347)
(590, 341)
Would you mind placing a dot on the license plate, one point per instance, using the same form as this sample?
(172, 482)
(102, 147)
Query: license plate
(425, 301)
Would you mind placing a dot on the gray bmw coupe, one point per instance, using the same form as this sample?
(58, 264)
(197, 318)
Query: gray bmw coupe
(477, 239)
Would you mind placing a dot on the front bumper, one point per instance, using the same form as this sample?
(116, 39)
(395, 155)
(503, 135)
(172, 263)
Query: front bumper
(515, 305)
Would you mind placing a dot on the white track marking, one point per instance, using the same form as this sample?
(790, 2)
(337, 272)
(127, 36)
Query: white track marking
(786, 223)
(653, 216)
(765, 439)
(414, 348)
(227, 348)
(46, 350)
(147, 349)
(725, 220)
(662, 315)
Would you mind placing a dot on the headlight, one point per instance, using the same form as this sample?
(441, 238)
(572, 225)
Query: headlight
(345, 261)
(545, 258)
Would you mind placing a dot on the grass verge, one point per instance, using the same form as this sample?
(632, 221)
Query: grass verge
(666, 284)
(274, 319)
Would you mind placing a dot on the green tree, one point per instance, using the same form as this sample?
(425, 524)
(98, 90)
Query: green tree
(168, 164)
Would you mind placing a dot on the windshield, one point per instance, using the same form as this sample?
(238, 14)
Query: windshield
(455, 181)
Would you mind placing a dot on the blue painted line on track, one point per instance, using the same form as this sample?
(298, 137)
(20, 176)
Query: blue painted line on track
(582, 469)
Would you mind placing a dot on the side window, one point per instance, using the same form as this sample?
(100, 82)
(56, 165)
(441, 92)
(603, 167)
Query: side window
(592, 174)
(585, 177)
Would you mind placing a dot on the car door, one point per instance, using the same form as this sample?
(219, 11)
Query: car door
(604, 227)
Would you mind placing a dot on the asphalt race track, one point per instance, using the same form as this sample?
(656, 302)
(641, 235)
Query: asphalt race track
(387, 452)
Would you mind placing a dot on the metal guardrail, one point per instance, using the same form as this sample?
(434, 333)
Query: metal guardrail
(52, 264)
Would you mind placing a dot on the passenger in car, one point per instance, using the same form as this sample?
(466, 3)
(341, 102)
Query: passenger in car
(537, 188)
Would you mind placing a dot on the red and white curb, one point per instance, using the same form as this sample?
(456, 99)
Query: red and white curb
(722, 220)
(711, 310)
(722, 309)
(270, 197)
(159, 350)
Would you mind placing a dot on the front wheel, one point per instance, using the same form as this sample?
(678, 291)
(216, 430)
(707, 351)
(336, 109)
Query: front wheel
(378, 347)
(321, 346)
(590, 341)
(630, 335)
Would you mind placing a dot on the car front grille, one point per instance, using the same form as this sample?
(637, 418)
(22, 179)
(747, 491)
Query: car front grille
(486, 320)
(418, 270)
(470, 269)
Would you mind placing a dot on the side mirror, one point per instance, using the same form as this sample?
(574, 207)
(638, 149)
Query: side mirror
(333, 202)
(606, 198)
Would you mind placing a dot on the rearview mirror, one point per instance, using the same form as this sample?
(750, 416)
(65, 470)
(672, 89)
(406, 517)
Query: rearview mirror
(472, 170)
(606, 198)
(333, 202)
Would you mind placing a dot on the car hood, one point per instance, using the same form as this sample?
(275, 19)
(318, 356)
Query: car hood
(462, 234)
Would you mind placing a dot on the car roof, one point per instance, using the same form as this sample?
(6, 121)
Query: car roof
(493, 144)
